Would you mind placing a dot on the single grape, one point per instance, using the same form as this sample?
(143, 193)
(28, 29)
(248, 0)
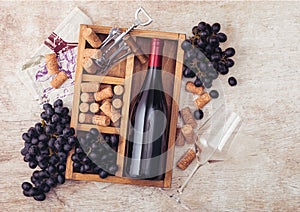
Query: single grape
(114, 140)
(201, 44)
(186, 45)
(25, 137)
(214, 41)
(188, 73)
(195, 30)
(64, 111)
(229, 62)
(215, 57)
(58, 103)
(49, 111)
(216, 27)
(208, 28)
(51, 182)
(40, 197)
(214, 94)
(26, 186)
(60, 179)
(202, 26)
(198, 114)
(32, 133)
(198, 82)
(34, 141)
(58, 110)
(32, 164)
(39, 128)
(46, 106)
(209, 49)
(229, 52)
(222, 37)
(232, 81)
(103, 174)
(204, 35)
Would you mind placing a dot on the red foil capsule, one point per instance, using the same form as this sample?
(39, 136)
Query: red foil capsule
(155, 59)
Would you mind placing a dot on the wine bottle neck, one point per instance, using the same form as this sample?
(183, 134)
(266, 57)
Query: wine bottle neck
(155, 59)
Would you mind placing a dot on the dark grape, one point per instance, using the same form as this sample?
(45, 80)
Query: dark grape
(229, 52)
(232, 81)
(39, 128)
(103, 174)
(222, 37)
(186, 45)
(40, 197)
(58, 103)
(188, 73)
(214, 94)
(202, 26)
(216, 27)
(46, 106)
(215, 57)
(26, 186)
(25, 137)
(195, 30)
(198, 114)
(60, 179)
(229, 62)
(114, 140)
(198, 82)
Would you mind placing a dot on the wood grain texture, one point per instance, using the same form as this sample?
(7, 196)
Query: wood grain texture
(262, 171)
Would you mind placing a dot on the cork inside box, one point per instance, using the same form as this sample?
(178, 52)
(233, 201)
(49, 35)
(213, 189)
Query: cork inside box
(122, 75)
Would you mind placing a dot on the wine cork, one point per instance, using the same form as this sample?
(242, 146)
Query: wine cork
(84, 107)
(51, 63)
(85, 118)
(179, 138)
(91, 38)
(101, 120)
(89, 66)
(103, 94)
(117, 103)
(202, 100)
(87, 97)
(188, 133)
(188, 117)
(115, 115)
(190, 87)
(89, 87)
(59, 79)
(118, 90)
(92, 53)
(186, 159)
(108, 110)
(94, 107)
(136, 49)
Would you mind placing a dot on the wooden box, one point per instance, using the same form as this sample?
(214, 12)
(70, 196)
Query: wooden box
(172, 63)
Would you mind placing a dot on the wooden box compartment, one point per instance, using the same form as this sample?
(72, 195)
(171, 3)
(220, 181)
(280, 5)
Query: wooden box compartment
(122, 74)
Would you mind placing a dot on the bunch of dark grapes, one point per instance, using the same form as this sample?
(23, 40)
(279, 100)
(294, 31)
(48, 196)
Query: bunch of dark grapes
(96, 153)
(46, 146)
(204, 58)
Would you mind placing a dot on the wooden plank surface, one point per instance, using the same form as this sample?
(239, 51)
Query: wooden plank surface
(262, 170)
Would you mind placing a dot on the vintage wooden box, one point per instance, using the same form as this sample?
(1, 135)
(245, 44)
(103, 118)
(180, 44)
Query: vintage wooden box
(172, 63)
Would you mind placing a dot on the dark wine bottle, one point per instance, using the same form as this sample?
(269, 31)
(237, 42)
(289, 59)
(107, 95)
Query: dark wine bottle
(146, 143)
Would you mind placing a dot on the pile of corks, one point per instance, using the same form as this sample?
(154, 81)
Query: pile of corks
(186, 133)
(100, 104)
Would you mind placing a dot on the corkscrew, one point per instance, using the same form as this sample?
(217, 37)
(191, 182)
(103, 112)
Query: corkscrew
(118, 45)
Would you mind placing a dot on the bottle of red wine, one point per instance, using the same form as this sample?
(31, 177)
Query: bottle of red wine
(146, 142)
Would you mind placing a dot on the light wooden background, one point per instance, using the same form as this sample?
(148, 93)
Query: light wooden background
(263, 171)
